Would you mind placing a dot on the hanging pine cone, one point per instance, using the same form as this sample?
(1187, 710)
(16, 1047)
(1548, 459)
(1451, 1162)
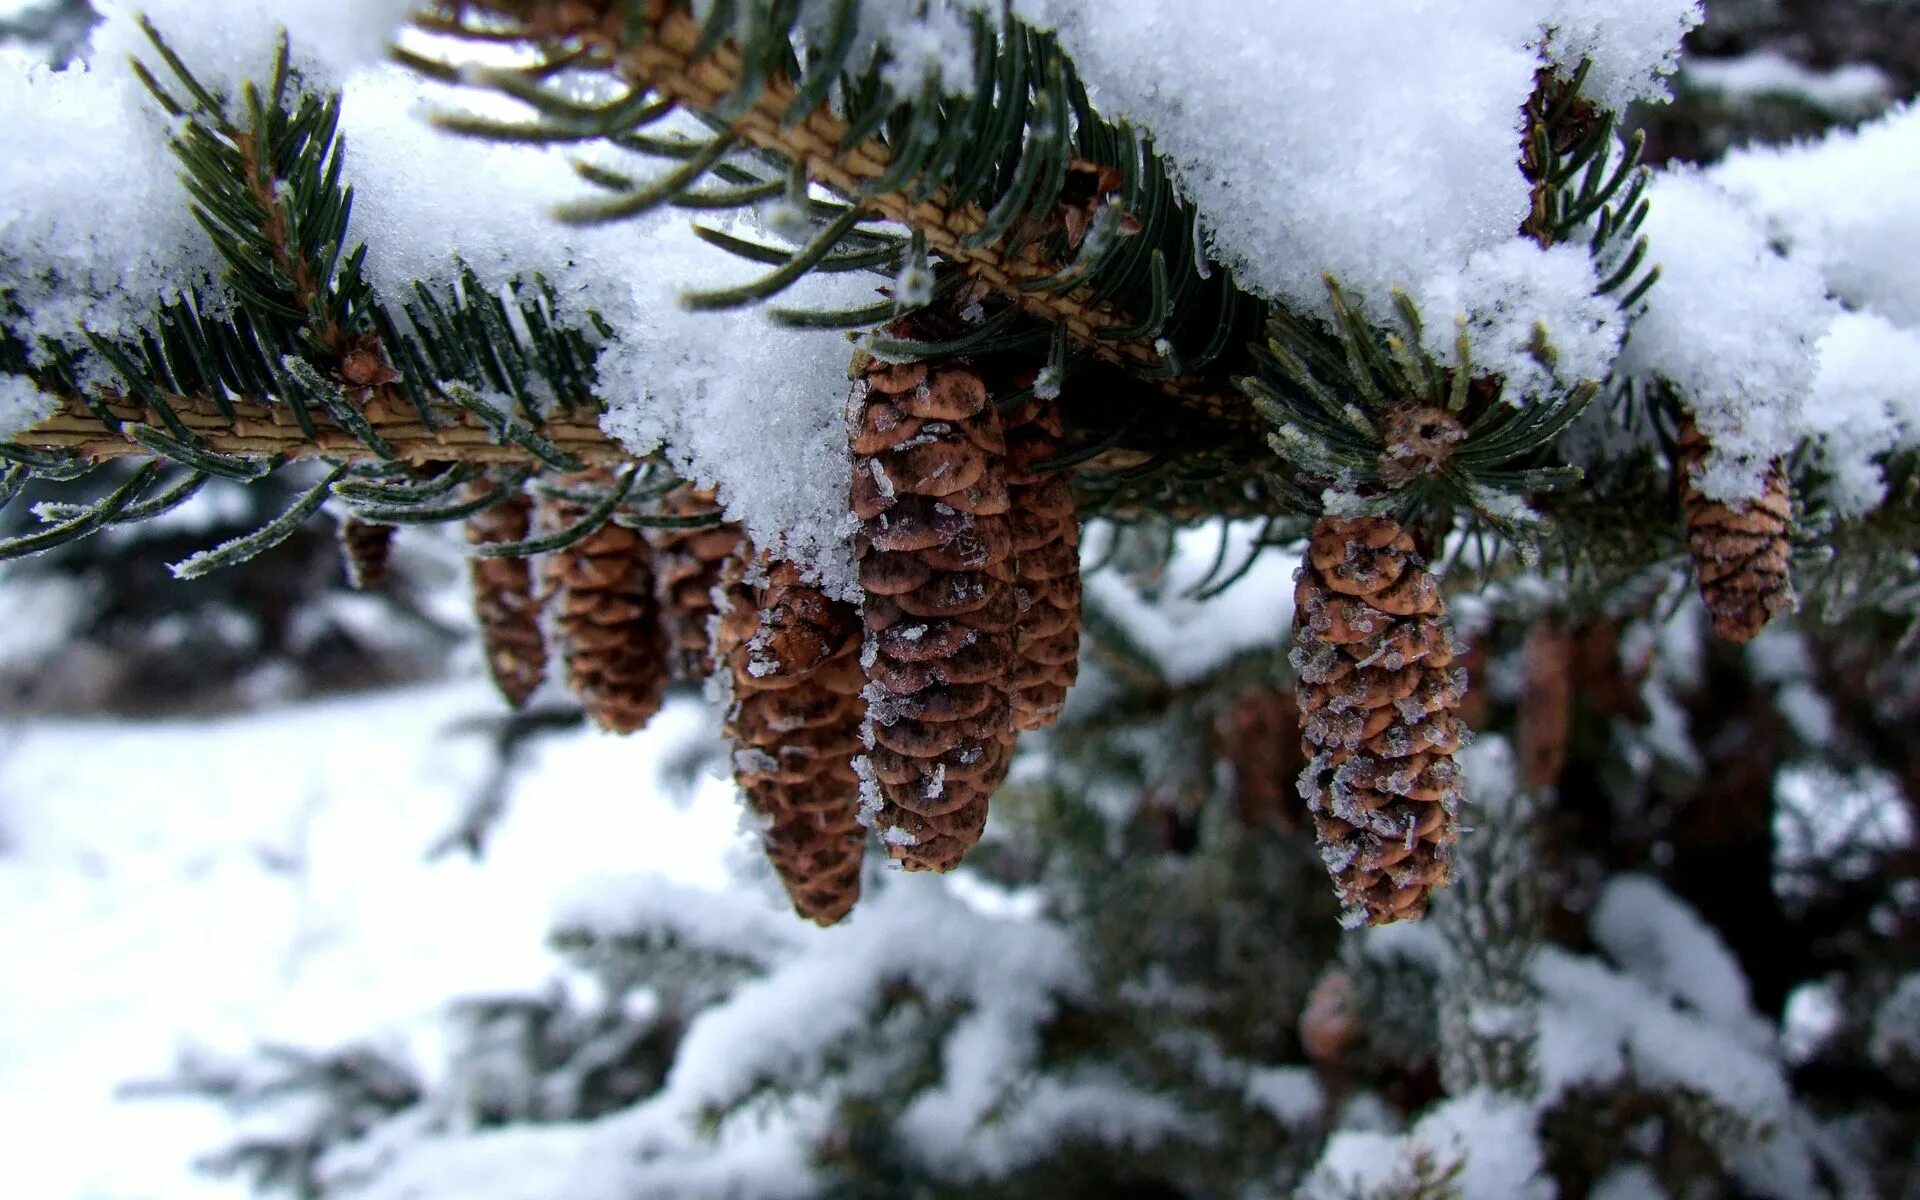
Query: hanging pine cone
(366, 547)
(795, 734)
(609, 618)
(688, 562)
(1262, 768)
(1046, 548)
(1377, 698)
(1544, 722)
(503, 598)
(1740, 552)
(936, 563)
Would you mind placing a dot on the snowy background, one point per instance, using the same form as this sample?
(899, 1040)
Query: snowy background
(265, 878)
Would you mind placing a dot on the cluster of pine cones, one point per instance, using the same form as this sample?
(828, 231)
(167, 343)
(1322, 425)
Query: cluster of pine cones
(898, 716)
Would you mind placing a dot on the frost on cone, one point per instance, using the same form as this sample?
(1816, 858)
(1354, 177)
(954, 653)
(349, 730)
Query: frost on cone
(795, 732)
(688, 562)
(609, 618)
(1740, 552)
(504, 603)
(1378, 692)
(1046, 548)
(936, 564)
(366, 547)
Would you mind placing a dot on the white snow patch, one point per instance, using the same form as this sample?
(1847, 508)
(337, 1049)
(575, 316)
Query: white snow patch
(1732, 325)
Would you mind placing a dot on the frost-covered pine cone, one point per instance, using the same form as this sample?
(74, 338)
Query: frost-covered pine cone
(504, 602)
(687, 564)
(936, 564)
(1378, 690)
(608, 616)
(1740, 552)
(366, 547)
(795, 732)
(1046, 547)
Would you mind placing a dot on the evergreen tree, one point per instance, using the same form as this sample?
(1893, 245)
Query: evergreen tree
(1194, 490)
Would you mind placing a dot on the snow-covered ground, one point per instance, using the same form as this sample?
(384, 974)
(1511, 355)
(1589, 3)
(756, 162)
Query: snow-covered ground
(223, 882)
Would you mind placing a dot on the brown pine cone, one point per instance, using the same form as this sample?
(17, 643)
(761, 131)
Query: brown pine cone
(795, 734)
(1249, 737)
(1046, 548)
(366, 547)
(503, 599)
(1740, 552)
(1378, 691)
(609, 618)
(936, 563)
(1544, 721)
(688, 562)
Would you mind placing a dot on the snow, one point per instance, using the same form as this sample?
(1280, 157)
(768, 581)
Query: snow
(1493, 1137)
(219, 882)
(1508, 292)
(1483, 1141)
(1598, 1026)
(1850, 88)
(22, 406)
(1894, 1044)
(1827, 819)
(1732, 325)
(1633, 45)
(1657, 939)
(1631, 1181)
(98, 230)
(1386, 136)
(1188, 638)
(1865, 403)
(1841, 205)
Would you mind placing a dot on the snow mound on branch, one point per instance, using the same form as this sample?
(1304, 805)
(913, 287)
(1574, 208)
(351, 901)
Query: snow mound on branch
(738, 403)
(22, 406)
(1843, 205)
(328, 38)
(1732, 325)
(1484, 1143)
(1634, 45)
(1659, 940)
(1384, 137)
(1507, 292)
(1866, 402)
(94, 225)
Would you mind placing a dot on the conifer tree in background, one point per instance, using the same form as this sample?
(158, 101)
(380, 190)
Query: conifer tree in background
(1008, 578)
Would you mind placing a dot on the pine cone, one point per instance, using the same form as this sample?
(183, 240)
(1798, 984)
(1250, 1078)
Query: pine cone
(1545, 718)
(1740, 552)
(936, 563)
(1263, 767)
(795, 735)
(1046, 547)
(609, 618)
(689, 563)
(503, 599)
(1377, 698)
(366, 547)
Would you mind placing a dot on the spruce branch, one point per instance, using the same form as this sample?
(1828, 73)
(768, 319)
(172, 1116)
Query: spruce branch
(1022, 185)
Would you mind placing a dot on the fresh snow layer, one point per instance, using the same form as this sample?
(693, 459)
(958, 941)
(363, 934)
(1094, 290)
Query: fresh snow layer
(1733, 325)
(1655, 937)
(1852, 88)
(218, 882)
(1865, 402)
(1384, 139)
(1843, 205)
